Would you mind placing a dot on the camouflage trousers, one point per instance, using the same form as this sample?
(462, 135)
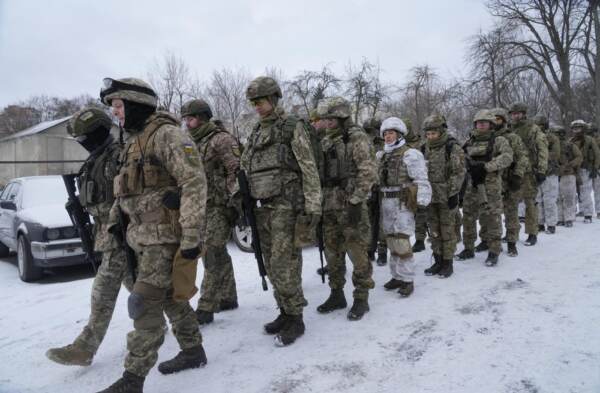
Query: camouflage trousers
(283, 260)
(442, 229)
(547, 201)
(510, 201)
(105, 290)
(529, 193)
(402, 262)
(586, 204)
(567, 198)
(596, 187)
(489, 216)
(218, 283)
(150, 298)
(421, 223)
(341, 238)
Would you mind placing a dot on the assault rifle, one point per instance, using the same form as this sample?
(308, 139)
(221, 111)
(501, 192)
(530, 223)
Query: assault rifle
(375, 207)
(480, 187)
(248, 206)
(321, 245)
(81, 220)
(121, 237)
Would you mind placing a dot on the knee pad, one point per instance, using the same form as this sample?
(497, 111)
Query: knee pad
(141, 297)
(135, 305)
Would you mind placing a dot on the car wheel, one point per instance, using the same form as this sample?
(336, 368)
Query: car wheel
(4, 251)
(242, 236)
(27, 270)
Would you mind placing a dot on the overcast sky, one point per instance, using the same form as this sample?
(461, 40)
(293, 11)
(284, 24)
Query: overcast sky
(66, 47)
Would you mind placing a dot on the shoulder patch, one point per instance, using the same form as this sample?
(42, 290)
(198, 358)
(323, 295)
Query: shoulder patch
(188, 148)
(236, 150)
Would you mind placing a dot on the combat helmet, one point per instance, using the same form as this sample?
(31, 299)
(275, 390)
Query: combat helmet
(87, 121)
(372, 126)
(500, 112)
(578, 124)
(485, 115)
(333, 107)
(518, 107)
(541, 121)
(393, 123)
(263, 86)
(435, 122)
(196, 108)
(128, 89)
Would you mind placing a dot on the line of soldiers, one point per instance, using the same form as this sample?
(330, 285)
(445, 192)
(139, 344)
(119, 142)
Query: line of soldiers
(169, 195)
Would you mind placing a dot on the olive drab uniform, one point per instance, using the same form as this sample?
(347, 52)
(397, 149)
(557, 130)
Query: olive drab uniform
(350, 170)
(220, 153)
(569, 163)
(547, 198)
(596, 179)
(284, 179)
(496, 154)
(537, 146)
(591, 161)
(446, 172)
(158, 160)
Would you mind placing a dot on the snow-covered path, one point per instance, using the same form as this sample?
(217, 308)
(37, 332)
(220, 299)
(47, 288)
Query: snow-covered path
(531, 325)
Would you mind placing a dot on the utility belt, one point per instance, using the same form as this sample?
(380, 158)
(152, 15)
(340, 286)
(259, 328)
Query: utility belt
(393, 194)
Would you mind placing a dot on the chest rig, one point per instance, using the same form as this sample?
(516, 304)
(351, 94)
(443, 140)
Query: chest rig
(393, 171)
(338, 166)
(95, 180)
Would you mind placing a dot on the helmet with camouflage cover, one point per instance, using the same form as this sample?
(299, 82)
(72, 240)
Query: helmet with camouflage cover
(518, 107)
(500, 112)
(558, 129)
(541, 121)
(128, 89)
(333, 107)
(263, 86)
(87, 121)
(435, 122)
(196, 108)
(393, 123)
(592, 128)
(372, 126)
(485, 115)
(578, 124)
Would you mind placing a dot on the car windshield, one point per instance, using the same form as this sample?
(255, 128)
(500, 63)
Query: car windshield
(44, 191)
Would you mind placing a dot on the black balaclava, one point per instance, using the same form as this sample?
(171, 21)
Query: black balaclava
(136, 115)
(95, 139)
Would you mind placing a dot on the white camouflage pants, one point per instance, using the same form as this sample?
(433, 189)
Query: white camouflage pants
(586, 205)
(402, 262)
(596, 186)
(567, 198)
(547, 199)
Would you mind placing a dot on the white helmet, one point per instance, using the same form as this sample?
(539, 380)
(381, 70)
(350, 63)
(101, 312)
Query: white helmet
(393, 123)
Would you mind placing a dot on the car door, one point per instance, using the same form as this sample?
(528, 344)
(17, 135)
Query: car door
(10, 216)
(4, 215)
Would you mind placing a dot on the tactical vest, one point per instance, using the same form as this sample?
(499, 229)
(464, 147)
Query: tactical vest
(479, 150)
(393, 171)
(140, 167)
(216, 174)
(338, 167)
(95, 180)
(587, 151)
(272, 164)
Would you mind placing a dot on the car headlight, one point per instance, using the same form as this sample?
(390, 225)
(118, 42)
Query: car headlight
(69, 232)
(52, 234)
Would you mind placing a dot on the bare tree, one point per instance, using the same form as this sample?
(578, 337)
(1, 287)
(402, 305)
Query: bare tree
(589, 50)
(227, 93)
(170, 78)
(359, 83)
(311, 86)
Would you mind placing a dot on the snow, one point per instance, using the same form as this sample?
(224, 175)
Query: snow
(528, 325)
(36, 129)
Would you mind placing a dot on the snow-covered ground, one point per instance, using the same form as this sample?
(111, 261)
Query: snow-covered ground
(531, 325)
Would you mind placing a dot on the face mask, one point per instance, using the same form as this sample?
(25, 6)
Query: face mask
(94, 139)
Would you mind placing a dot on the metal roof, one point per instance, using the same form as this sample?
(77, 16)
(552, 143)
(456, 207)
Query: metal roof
(41, 127)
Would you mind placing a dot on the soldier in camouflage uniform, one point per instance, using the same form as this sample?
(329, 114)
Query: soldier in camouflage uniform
(161, 190)
(589, 167)
(284, 179)
(91, 127)
(446, 172)
(487, 155)
(220, 154)
(592, 131)
(403, 188)
(537, 146)
(512, 178)
(372, 126)
(569, 163)
(349, 173)
(547, 197)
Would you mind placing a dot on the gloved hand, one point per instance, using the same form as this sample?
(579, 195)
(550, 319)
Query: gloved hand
(594, 173)
(539, 178)
(453, 201)
(477, 171)
(171, 200)
(191, 253)
(117, 232)
(514, 182)
(354, 213)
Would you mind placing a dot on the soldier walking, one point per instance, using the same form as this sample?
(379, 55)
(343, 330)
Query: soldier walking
(588, 168)
(547, 198)
(569, 163)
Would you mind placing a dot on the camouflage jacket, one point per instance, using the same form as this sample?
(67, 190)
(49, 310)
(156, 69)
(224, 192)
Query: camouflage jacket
(589, 150)
(570, 158)
(500, 155)
(553, 154)
(445, 167)
(95, 184)
(158, 160)
(536, 144)
(520, 164)
(220, 154)
(280, 159)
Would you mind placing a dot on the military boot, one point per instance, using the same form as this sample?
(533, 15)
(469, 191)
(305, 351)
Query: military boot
(504, 239)
(560, 224)
(359, 308)
(323, 270)
(492, 259)
(227, 305)
(70, 355)
(335, 301)
(482, 246)
(465, 254)
(550, 230)
(204, 317)
(418, 246)
(579, 214)
(569, 224)
(128, 383)
(381, 256)
(188, 358)
(447, 268)
(531, 240)
(512, 249)
(392, 284)
(436, 267)
(406, 289)
(587, 219)
(293, 328)
(541, 228)
(276, 325)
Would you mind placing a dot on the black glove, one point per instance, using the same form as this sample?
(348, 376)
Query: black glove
(594, 173)
(171, 200)
(354, 213)
(514, 182)
(539, 178)
(477, 171)
(453, 201)
(191, 253)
